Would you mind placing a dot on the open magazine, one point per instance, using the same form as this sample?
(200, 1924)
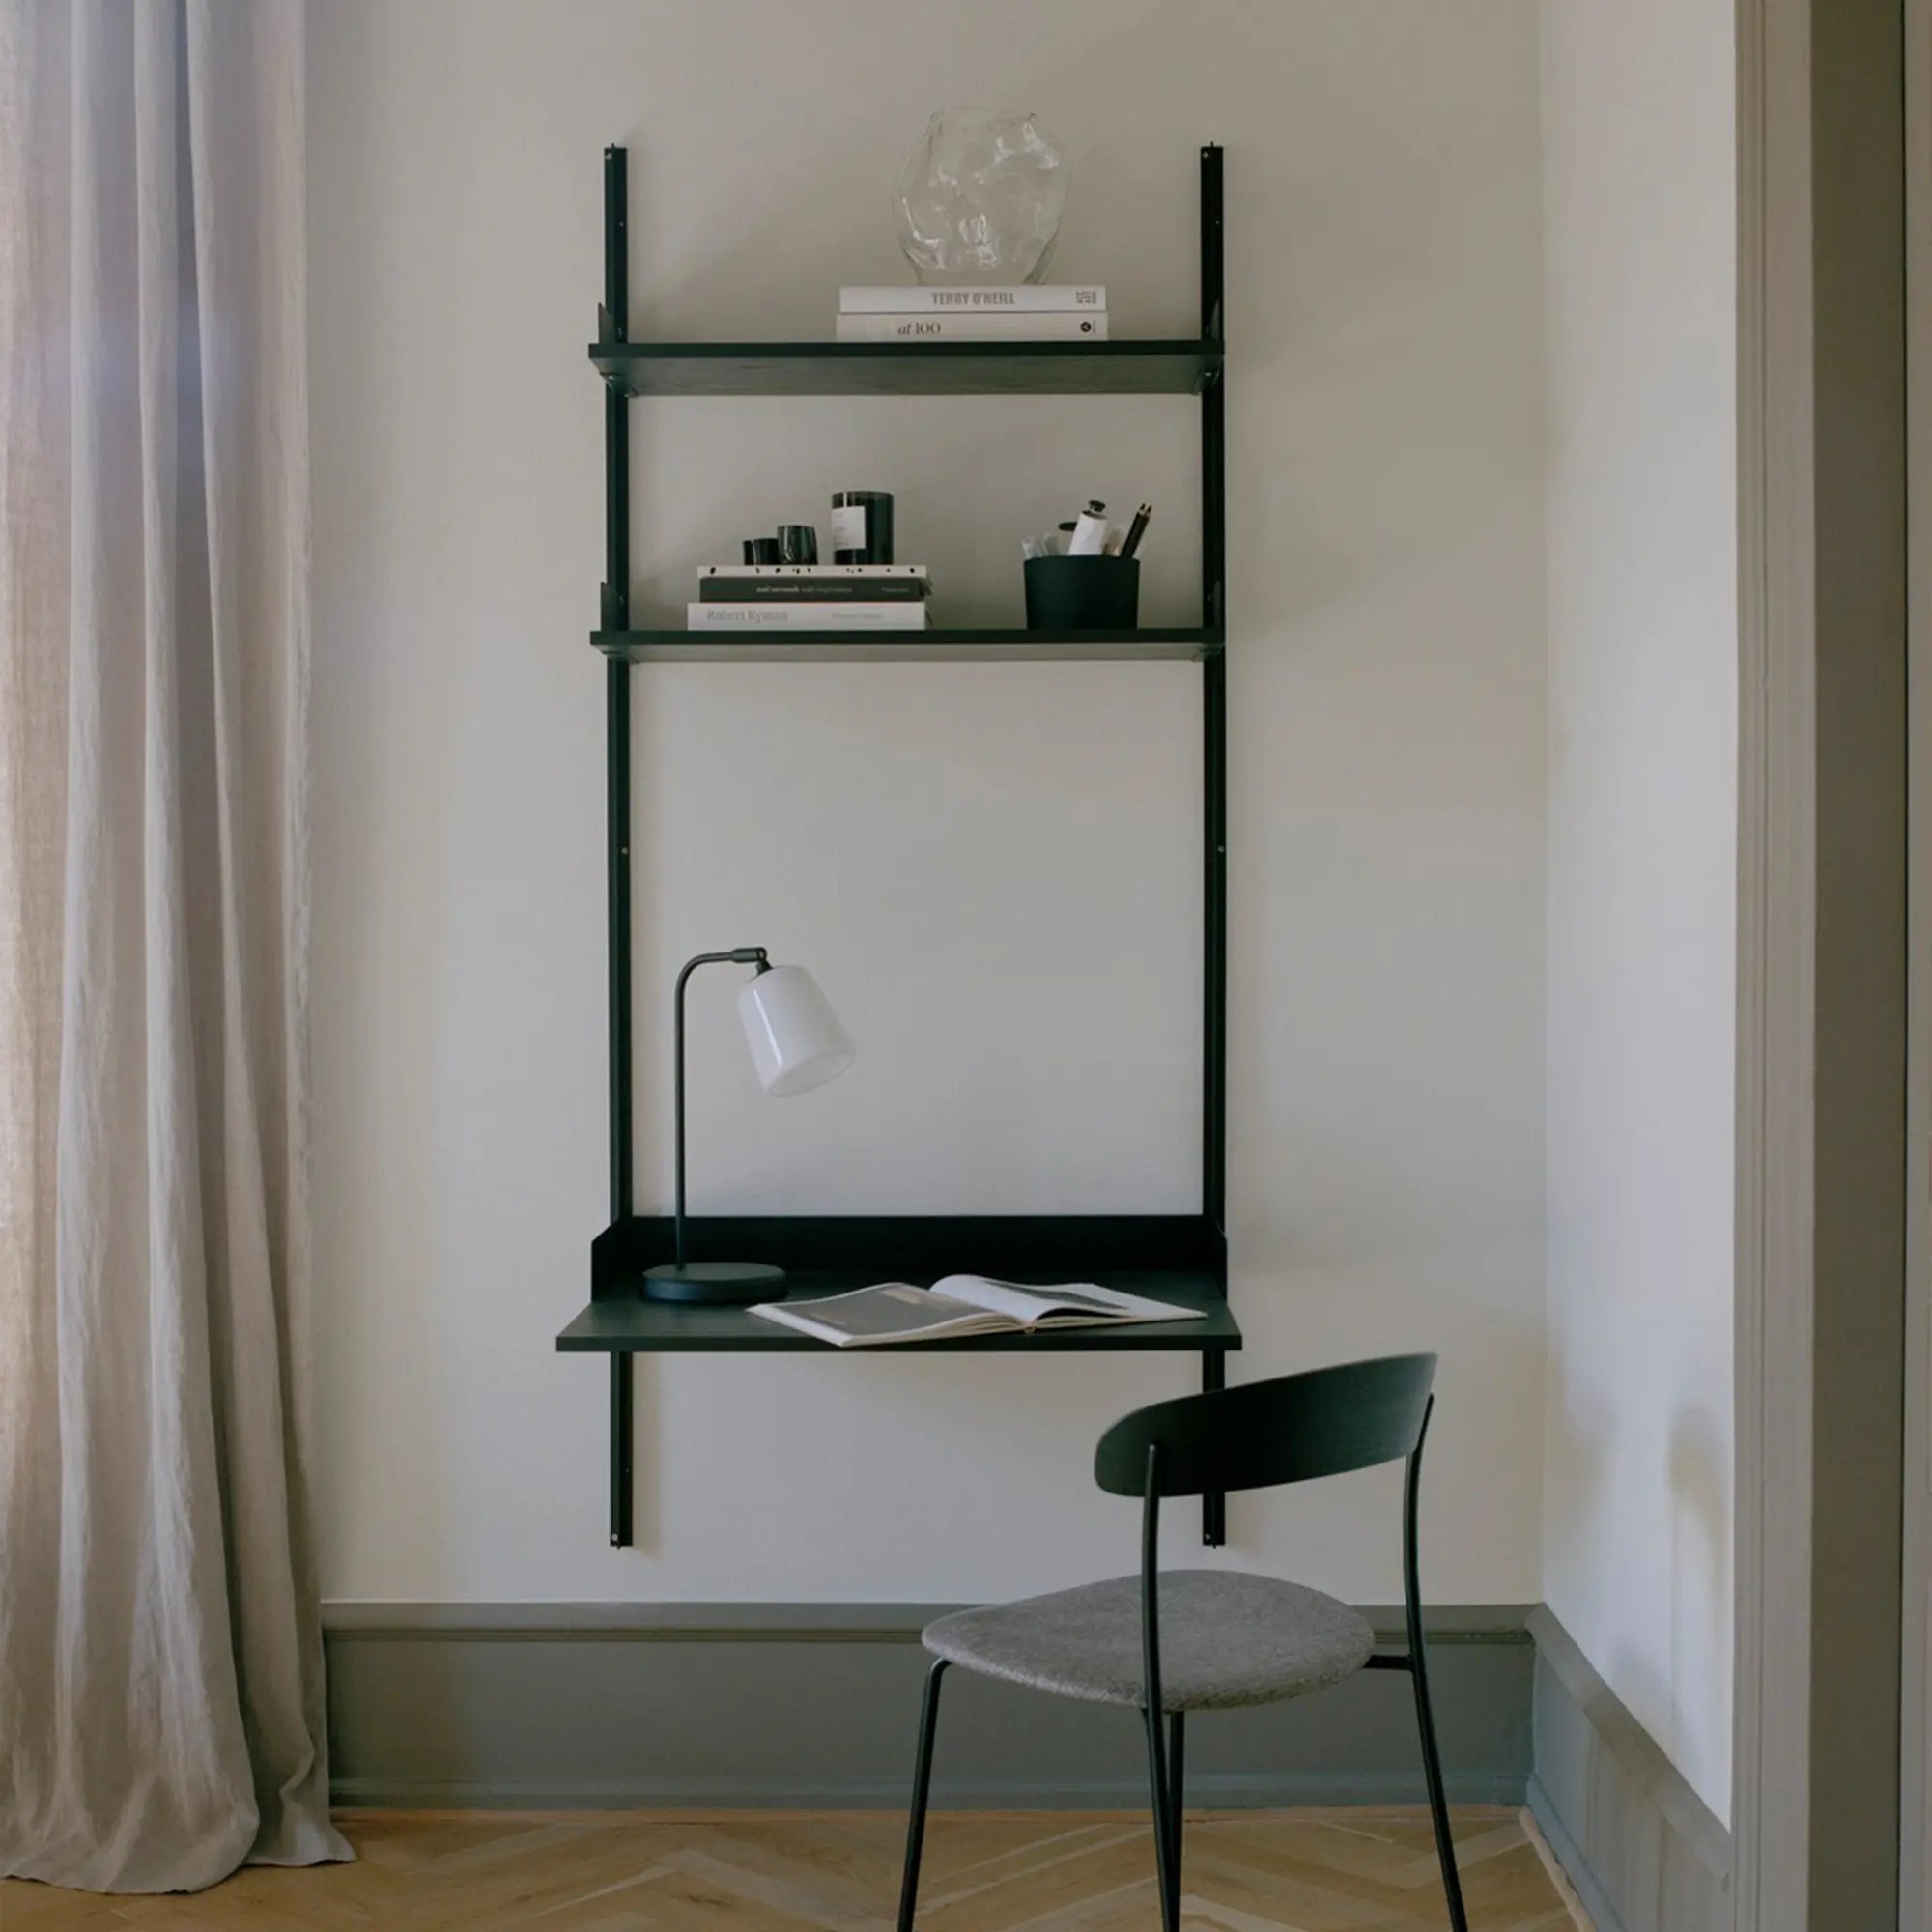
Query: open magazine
(962, 1304)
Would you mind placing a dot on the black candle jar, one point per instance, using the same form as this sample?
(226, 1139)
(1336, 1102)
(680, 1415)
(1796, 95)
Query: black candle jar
(862, 526)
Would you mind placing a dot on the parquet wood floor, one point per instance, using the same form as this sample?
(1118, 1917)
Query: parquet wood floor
(1297, 1871)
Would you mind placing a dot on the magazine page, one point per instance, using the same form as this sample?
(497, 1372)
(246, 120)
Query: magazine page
(1073, 1305)
(895, 1311)
(1064, 1305)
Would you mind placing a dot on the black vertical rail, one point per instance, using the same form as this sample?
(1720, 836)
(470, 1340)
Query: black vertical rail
(1214, 391)
(1214, 946)
(615, 615)
(1214, 1502)
(1214, 777)
(1214, 722)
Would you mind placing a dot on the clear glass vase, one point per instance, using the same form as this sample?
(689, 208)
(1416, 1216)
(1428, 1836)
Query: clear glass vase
(979, 199)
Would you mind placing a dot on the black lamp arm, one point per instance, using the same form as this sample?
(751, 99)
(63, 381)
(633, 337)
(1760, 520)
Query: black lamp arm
(739, 956)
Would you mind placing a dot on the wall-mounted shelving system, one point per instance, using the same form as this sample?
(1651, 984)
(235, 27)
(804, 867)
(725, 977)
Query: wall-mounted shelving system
(1177, 1258)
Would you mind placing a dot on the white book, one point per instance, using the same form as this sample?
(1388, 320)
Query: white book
(782, 615)
(977, 327)
(960, 1304)
(1034, 297)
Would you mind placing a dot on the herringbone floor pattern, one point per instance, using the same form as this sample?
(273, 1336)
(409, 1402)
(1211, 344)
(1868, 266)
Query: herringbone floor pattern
(1301, 1871)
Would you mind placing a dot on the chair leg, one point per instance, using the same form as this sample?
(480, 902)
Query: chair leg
(1439, 1803)
(1166, 1863)
(1177, 1751)
(922, 1786)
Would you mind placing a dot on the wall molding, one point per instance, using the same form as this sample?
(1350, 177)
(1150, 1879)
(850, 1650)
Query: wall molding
(793, 1623)
(1645, 1853)
(813, 1706)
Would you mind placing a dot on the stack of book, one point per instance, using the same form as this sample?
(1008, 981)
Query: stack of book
(810, 597)
(1032, 313)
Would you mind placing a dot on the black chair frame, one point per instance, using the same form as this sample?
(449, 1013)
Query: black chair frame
(1290, 1429)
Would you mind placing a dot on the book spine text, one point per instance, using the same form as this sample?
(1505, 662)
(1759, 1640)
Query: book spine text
(987, 328)
(802, 617)
(1042, 298)
(804, 590)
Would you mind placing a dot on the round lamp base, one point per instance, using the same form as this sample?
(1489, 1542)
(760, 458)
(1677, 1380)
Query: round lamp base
(722, 1283)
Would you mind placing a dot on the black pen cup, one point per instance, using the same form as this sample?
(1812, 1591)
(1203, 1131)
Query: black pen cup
(1083, 593)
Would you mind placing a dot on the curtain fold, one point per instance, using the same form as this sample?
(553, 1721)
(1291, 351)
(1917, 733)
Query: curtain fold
(161, 1706)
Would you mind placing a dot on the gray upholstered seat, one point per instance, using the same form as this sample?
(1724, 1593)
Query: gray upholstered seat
(1226, 1639)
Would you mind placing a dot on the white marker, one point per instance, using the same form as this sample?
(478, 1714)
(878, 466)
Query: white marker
(1090, 531)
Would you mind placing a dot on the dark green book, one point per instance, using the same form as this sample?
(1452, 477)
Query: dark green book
(811, 589)
(814, 583)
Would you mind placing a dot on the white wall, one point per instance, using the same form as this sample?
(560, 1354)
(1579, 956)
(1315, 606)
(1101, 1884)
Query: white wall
(1638, 237)
(1011, 848)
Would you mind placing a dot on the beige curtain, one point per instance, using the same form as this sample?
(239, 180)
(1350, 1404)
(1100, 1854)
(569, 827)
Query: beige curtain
(161, 1660)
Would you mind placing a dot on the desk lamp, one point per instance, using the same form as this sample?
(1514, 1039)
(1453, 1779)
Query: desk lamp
(797, 1044)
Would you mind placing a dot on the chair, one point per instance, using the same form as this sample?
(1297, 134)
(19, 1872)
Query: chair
(1209, 1640)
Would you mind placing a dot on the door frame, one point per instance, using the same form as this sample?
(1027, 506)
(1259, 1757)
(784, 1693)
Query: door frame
(1821, 1125)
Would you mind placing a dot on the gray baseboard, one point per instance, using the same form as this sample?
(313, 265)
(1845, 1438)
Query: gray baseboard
(813, 1706)
(1642, 1849)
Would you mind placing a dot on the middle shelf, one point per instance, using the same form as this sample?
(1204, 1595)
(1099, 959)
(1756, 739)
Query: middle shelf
(951, 646)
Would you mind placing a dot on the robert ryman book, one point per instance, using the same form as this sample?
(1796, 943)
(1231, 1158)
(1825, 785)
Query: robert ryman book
(804, 616)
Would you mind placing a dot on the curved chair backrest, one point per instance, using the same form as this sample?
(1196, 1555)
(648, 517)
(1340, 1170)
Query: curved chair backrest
(1289, 1429)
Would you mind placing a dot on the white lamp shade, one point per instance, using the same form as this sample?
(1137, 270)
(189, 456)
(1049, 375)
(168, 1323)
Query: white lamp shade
(796, 1041)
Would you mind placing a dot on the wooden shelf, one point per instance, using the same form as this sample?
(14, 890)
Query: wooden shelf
(1150, 368)
(939, 646)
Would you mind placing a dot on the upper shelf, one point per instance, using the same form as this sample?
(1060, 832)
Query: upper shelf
(1173, 368)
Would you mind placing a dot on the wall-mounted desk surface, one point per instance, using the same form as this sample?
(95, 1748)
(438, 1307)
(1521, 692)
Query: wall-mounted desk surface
(629, 1324)
(1177, 1258)
(1172, 1259)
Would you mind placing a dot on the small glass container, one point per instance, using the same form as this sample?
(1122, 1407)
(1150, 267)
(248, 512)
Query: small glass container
(979, 199)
